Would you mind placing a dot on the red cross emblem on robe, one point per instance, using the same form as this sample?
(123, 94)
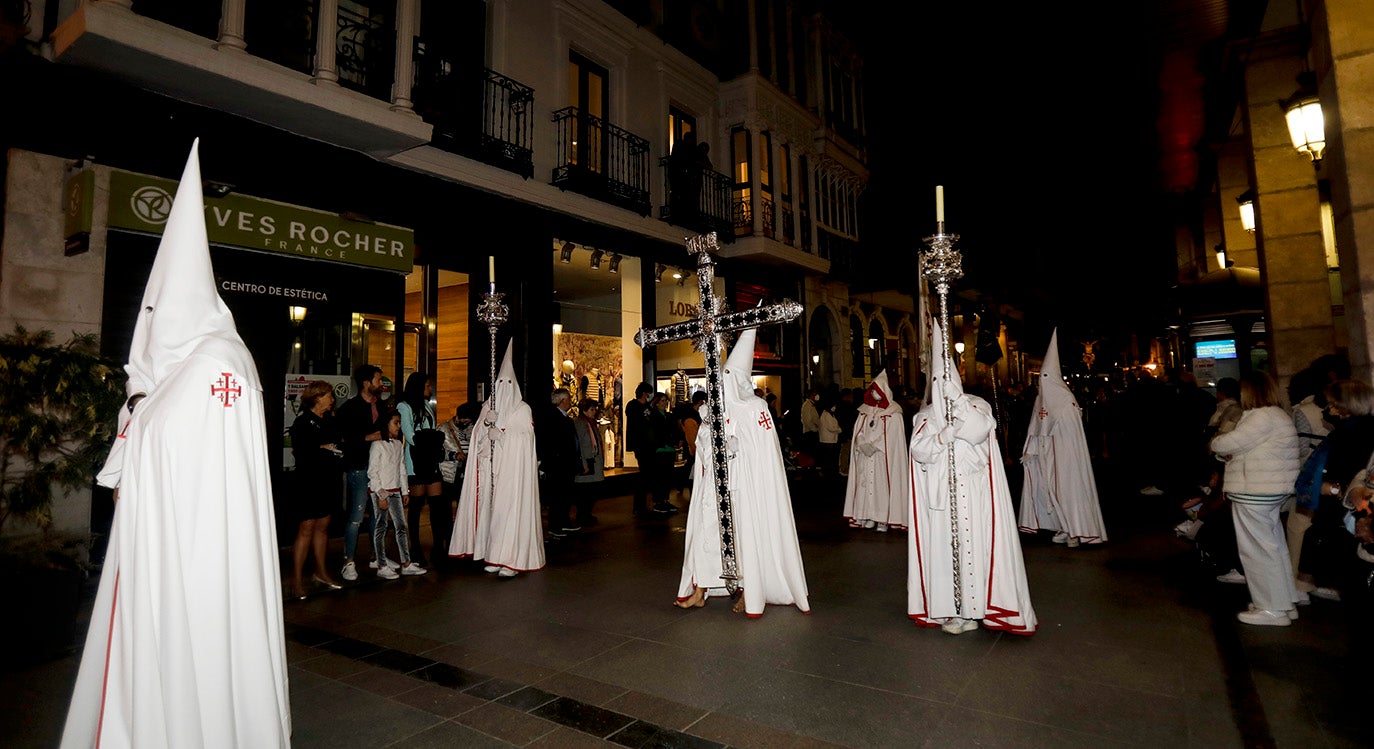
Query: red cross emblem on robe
(226, 388)
(764, 421)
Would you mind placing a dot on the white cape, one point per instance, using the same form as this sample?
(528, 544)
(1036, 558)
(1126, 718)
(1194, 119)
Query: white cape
(498, 517)
(186, 645)
(877, 489)
(1060, 491)
(992, 573)
(767, 552)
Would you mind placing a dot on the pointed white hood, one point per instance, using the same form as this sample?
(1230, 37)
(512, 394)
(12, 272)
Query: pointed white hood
(940, 388)
(505, 392)
(181, 308)
(1054, 394)
(737, 384)
(879, 398)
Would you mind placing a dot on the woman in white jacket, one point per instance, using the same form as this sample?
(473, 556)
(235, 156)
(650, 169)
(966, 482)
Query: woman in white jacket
(1261, 456)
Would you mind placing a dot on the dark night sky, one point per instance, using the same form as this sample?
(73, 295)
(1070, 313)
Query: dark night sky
(1040, 125)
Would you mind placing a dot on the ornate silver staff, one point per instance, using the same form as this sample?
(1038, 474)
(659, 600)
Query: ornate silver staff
(941, 265)
(493, 313)
(707, 333)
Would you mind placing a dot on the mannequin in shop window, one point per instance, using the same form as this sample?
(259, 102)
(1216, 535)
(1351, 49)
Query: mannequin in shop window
(681, 390)
(566, 379)
(593, 384)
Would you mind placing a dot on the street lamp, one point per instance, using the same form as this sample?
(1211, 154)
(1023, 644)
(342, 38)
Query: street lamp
(1247, 211)
(1303, 113)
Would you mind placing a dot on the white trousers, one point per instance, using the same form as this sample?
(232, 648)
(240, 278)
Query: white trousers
(1264, 555)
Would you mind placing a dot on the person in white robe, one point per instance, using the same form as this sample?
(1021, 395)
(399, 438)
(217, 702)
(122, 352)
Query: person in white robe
(186, 645)
(876, 494)
(1059, 493)
(767, 551)
(498, 517)
(964, 563)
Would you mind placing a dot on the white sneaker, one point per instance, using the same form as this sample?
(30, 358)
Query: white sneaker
(1265, 618)
(881, 527)
(1071, 543)
(386, 573)
(491, 568)
(413, 569)
(870, 525)
(1152, 491)
(1234, 576)
(389, 563)
(1292, 613)
(1061, 537)
(350, 571)
(507, 572)
(1188, 529)
(1326, 594)
(1303, 598)
(957, 626)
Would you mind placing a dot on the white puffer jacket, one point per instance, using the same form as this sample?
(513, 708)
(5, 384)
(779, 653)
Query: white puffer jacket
(1261, 453)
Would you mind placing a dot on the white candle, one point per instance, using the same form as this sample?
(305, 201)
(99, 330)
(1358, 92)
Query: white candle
(491, 268)
(940, 204)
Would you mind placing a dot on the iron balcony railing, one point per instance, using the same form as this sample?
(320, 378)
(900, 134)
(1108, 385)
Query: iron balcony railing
(769, 227)
(601, 160)
(476, 112)
(284, 32)
(700, 203)
(788, 231)
(742, 213)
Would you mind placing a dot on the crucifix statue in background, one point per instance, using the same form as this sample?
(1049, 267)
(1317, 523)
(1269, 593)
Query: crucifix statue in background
(707, 333)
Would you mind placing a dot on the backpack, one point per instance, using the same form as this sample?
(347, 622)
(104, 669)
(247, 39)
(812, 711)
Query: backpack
(1308, 487)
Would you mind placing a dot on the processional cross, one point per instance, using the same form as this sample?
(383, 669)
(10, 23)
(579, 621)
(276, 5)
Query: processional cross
(706, 333)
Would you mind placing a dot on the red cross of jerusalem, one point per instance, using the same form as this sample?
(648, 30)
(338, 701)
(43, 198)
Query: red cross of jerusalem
(764, 421)
(227, 389)
(1044, 413)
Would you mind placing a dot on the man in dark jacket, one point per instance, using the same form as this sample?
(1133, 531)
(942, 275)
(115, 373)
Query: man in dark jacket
(637, 441)
(360, 421)
(555, 443)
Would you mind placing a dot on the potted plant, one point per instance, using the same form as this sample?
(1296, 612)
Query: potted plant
(58, 408)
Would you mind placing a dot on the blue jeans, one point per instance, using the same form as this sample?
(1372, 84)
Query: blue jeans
(357, 508)
(396, 510)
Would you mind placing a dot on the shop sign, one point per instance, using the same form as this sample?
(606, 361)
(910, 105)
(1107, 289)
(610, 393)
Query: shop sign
(77, 211)
(281, 291)
(141, 203)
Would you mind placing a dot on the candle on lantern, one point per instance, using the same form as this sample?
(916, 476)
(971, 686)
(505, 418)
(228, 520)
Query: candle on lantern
(491, 268)
(939, 204)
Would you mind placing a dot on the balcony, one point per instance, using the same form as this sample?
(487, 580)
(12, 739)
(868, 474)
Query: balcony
(601, 160)
(476, 112)
(700, 203)
(269, 74)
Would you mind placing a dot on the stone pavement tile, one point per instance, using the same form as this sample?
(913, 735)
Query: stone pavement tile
(441, 701)
(381, 681)
(580, 688)
(962, 727)
(659, 670)
(1074, 704)
(341, 715)
(567, 738)
(447, 735)
(547, 644)
(835, 711)
(333, 666)
(747, 734)
(507, 724)
(656, 710)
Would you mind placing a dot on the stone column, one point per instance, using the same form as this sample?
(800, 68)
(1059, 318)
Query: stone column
(326, 44)
(1292, 257)
(231, 25)
(1343, 47)
(405, 56)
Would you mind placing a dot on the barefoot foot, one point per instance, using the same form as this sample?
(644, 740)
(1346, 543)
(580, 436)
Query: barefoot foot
(739, 604)
(696, 600)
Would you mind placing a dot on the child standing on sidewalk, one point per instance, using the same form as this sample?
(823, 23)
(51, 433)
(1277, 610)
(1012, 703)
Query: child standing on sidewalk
(386, 479)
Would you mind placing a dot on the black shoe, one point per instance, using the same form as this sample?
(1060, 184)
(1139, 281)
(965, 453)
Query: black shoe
(556, 534)
(570, 528)
(665, 508)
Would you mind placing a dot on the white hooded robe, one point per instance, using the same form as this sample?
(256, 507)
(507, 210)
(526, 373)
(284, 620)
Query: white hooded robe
(498, 509)
(186, 645)
(767, 552)
(991, 572)
(879, 462)
(1060, 492)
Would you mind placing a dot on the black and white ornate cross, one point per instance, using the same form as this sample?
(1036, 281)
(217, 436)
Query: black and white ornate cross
(707, 334)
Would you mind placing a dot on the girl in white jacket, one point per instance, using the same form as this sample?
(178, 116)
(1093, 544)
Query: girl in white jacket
(386, 482)
(1261, 456)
